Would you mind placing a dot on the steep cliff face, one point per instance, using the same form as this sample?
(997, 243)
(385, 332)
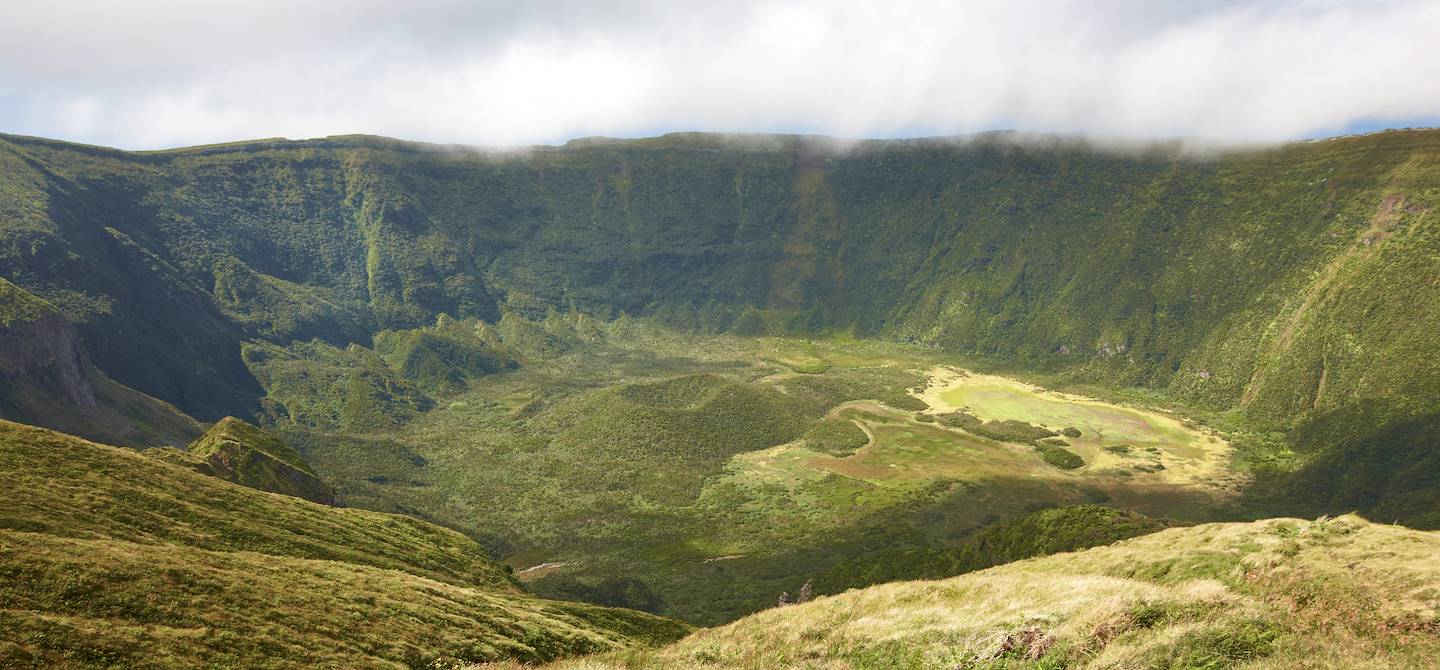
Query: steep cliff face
(46, 378)
(39, 349)
(241, 453)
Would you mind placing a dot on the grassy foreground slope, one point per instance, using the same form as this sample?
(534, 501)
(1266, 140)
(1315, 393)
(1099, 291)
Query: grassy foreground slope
(109, 557)
(1282, 593)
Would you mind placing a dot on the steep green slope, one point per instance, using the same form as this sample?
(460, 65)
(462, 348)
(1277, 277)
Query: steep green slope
(1263, 279)
(1390, 473)
(1041, 533)
(109, 557)
(1283, 593)
(46, 378)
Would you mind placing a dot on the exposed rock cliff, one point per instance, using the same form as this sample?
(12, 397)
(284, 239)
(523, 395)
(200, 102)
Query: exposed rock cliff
(46, 378)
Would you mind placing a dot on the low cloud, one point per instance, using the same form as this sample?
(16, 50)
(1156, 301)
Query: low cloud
(156, 73)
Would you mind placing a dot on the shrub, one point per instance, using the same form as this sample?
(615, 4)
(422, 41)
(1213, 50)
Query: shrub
(1060, 457)
(1008, 430)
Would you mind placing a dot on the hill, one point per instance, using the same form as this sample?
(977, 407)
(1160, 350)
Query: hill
(1280, 593)
(241, 453)
(110, 558)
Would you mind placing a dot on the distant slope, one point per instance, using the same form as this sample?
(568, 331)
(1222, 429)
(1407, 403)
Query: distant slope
(109, 557)
(46, 378)
(1283, 593)
(1391, 473)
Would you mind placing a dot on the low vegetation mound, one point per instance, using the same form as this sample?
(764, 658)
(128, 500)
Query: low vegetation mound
(441, 359)
(1060, 457)
(1280, 593)
(1005, 430)
(241, 453)
(836, 437)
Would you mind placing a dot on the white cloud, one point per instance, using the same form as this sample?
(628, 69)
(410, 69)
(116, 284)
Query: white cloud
(152, 73)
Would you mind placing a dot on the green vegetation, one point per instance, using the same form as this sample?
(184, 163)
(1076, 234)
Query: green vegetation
(109, 558)
(341, 237)
(1272, 306)
(17, 304)
(835, 437)
(1391, 473)
(1336, 593)
(1048, 531)
(1059, 456)
(442, 359)
(1008, 430)
(316, 384)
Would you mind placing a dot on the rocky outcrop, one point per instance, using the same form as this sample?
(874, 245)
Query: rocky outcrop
(244, 454)
(40, 349)
(46, 379)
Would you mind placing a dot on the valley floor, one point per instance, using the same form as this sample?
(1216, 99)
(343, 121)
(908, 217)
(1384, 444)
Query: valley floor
(700, 477)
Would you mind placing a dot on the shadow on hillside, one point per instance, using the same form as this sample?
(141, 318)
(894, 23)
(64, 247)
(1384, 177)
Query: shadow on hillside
(1389, 473)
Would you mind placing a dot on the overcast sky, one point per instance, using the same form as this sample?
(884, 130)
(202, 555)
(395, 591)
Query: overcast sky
(160, 73)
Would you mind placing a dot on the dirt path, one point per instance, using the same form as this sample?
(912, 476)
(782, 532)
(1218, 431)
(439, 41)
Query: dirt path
(537, 571)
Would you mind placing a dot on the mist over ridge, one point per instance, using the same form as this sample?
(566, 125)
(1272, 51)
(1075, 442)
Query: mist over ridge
(497, 74)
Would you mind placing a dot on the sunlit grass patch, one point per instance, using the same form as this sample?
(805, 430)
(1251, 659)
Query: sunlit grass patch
(797, 356)
(1104, 435)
